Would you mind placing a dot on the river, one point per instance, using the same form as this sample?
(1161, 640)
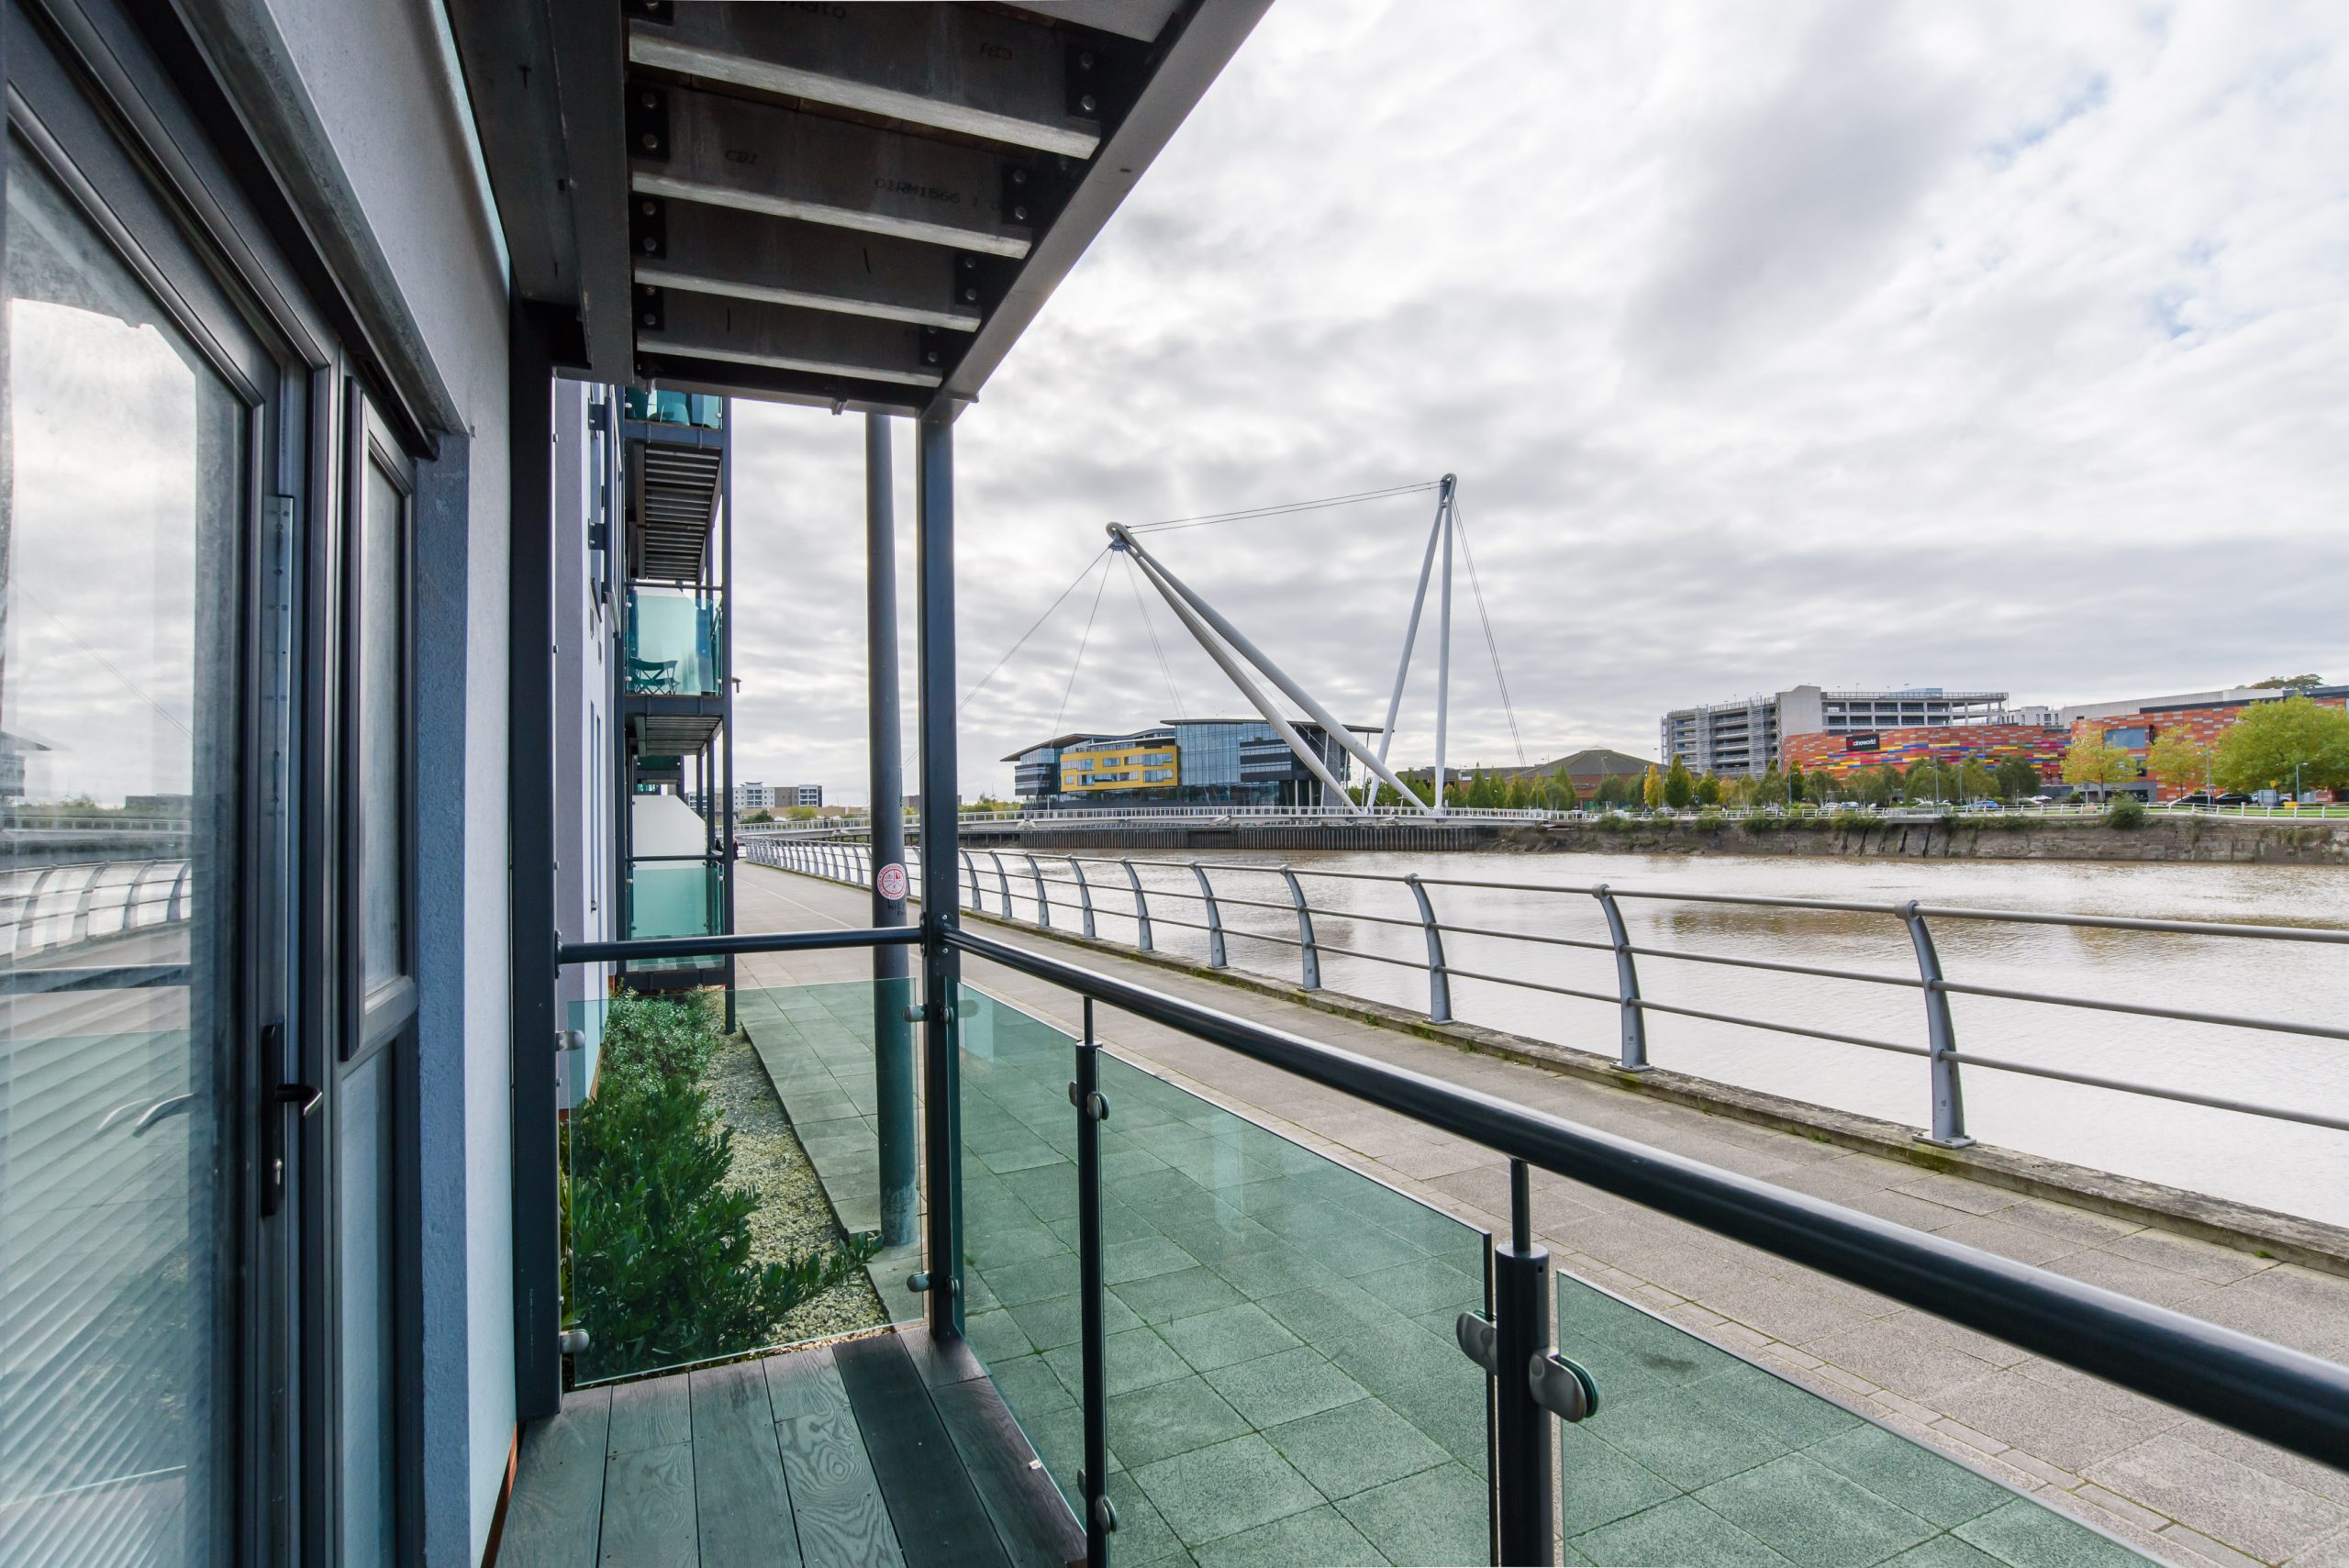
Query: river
(2276, 1165)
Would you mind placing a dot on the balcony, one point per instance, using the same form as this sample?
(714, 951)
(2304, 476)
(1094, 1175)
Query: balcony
(697, 409)
(1266, 1345)
(676, 642)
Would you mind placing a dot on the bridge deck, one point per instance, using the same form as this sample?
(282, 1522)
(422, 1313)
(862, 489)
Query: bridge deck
(2171, 1484)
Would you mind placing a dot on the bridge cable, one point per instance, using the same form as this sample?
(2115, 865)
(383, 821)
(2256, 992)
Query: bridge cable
(1491, 645)
(1133, 581)
(1281, 509)
(1082, 643)
(1030, 632)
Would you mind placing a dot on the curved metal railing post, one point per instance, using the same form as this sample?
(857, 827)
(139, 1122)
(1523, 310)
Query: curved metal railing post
(1940, 1036)
(1002, 883)
(1627, 984)
(1084, 894)
(1141, 906)
(1308, 956)
(1044, 899)
(972, 867)
(1439, 977)
(1215, 917)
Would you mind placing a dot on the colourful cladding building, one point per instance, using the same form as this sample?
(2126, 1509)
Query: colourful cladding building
(2204, 723)
(1950, 744)
(1154, 765)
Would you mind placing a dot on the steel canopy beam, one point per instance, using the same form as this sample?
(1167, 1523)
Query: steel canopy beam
(1190, 51)
(747, 255)
(746, 332)
(954, 68)
(733, 153)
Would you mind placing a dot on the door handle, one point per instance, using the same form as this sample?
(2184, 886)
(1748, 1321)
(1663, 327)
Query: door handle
(302, 1097)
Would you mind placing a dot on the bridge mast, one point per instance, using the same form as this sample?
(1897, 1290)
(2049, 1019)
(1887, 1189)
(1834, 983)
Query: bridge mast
(1198, 616)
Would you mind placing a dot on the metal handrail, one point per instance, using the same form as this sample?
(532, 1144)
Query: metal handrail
(1945, 1122)
(2267, 1390)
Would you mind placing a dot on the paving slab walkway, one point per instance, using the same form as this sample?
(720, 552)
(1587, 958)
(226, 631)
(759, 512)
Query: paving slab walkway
(2172, 1485)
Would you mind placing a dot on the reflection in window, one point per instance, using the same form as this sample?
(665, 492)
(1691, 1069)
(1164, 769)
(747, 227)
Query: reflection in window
(118, 608)
(382, 723)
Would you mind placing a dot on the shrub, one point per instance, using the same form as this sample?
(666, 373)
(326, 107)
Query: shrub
(1854, 821)
(661, 1270)
(2126, 812)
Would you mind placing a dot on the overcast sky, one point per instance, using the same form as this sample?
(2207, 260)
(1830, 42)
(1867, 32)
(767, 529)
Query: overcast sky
(1855, 344)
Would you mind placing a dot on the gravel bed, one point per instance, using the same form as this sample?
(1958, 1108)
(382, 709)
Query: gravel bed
(794, 1215)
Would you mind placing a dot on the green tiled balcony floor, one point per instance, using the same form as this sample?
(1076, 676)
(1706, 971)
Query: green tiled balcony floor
(1285, 1387)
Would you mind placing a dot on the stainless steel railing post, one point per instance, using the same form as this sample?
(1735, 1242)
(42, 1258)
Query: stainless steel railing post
(1941, 1037)
(1309, 955)
(1044, 899)
(1084, 894)
(1141, 906)
(1439, 977)
(972, 867)
(1627, 984)
(1215, 918)
(1002, 883)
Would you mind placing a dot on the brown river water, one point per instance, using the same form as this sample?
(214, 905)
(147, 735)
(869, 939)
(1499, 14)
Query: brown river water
(2276, 1164)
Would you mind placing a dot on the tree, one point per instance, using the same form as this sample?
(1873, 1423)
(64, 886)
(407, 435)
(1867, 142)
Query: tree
(2288, 683)
(799, 813)
(1615, 789)
(761, 815)
(2018, 777)
(1819, 786)
(1652, 788)
(1708, 791)
(2181, 761)
(1976, 780)
(2296, 743)
(1929, 783)
(1795, 783)
(1875, 786)
(1679, 785)
(2089, 763)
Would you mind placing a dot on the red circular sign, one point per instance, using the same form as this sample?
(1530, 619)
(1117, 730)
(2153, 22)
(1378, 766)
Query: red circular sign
(889, 881)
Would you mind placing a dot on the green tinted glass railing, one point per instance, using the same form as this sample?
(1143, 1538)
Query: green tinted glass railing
(1697, 1456)
(1282, 1380)
(715, 1188)
(674, 642)
(676, 898)
(678, 408)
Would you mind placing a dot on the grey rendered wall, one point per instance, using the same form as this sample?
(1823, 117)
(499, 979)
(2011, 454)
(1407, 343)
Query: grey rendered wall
(385, 82)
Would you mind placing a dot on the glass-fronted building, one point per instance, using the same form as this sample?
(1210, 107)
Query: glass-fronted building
(1188, 761)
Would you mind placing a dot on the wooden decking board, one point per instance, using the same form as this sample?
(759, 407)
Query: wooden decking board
(649, 1508)
(805, 1382)
(835, 1500)
(804, 1460)
(742, 1507)
(653, 1414)
(557, 1508)
(940, 1522)
(942, 1362)
(1027, 1509)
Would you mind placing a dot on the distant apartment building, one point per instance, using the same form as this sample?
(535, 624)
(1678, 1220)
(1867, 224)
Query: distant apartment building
(1202, 762)
(756, 796)
(1746, 736)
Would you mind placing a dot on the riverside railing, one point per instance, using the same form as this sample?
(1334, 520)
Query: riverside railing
(2263, 1390)
(1943, 1056)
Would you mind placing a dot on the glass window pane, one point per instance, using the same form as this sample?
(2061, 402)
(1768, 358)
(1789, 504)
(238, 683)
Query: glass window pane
(118, 605)
(382, 724)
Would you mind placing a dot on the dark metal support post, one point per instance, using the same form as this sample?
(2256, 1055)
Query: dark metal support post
(1100, 1518)
(529, 827)
(893, 1054)
(725, 691)
(1525, 1458)
(941, 967)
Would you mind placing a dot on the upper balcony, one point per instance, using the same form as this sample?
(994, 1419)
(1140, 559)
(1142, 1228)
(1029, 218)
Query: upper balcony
(675, 642)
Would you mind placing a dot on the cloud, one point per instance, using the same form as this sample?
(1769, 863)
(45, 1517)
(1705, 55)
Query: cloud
(1861, 344)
